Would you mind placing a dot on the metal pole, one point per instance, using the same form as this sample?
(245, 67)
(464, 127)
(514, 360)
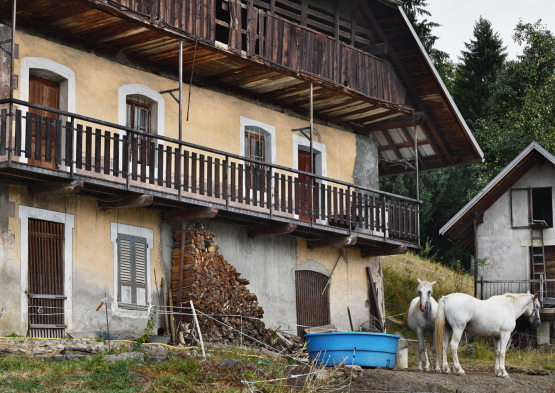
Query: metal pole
(311, 152)
(180, 114)
(107, 323)
(416, 161)
(180, 92)
(14, 5)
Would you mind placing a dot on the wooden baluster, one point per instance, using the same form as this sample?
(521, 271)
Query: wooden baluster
(69, 144)
(209, 176)
(276, 192)
(88, 148)
(186, 170)
(194, 173)
(125, 156)
(19, 132)
(160, 155)
(335, 207)
(48, 146)
(107, 145)
(225, 180)
(134, 157)
(290, 194)
(233, 182)
(248, 176)
(169, 166)
(97, 149)
(38, 138)
(3, 117)
(29, 118)
(240, 182)
(283, 193)
(151, 162)
(201, 176)
(360, 207)
(316, 212)
(268, 188)
(217, 178)
(341, 207)
(323, 201)
(115, 163)
(177, 170)
(143, 147)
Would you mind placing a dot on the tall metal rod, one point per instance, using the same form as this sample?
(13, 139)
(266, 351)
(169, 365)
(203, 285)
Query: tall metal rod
(14, 5)
(180, 112)
(416, 161)
(180, 92)
(311, 154)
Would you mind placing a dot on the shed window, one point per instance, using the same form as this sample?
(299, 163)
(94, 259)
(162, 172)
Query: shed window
(542, 205)
(132, 271)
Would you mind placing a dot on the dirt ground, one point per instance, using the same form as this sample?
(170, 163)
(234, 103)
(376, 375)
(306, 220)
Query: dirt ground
(382, 380)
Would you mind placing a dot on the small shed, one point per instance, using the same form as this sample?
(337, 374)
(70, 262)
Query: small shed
(508, 229)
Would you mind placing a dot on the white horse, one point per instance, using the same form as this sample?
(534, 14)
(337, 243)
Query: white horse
(421, 317)
(494, 317)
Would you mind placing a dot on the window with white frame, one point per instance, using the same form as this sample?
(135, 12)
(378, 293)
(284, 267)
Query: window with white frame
(139, 116)
(132, 271)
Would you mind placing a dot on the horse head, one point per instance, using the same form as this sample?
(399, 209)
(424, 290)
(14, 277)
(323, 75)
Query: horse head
(533, 310)
(425, 293)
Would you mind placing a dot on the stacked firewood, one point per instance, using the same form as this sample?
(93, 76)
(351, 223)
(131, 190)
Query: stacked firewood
(285, 343)
(216, 289)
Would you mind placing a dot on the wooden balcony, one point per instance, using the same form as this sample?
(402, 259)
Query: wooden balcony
(114, 160)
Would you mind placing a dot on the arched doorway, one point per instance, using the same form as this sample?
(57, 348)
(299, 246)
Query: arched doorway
(313, 301)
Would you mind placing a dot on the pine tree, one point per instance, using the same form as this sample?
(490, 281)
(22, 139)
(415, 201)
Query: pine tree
(423, 28)
(483, 58)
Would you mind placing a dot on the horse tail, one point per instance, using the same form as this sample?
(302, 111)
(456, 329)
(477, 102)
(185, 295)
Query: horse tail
(406, 317)
(440, 328)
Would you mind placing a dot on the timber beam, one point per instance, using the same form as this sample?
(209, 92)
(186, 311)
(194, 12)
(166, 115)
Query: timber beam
(326, 242)
(414, 120)
(478, 217)
(57, 188)
(271, 230)
(126, 202)
(378, 252)
(190, 213)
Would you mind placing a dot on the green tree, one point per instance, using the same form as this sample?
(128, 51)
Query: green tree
(483, 58)
(522, 104)
(416, 9)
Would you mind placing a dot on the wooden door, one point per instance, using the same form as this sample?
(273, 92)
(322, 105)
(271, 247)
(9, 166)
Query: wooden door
(305, 187)
(43, 92)
(46, 279)
(313, 302)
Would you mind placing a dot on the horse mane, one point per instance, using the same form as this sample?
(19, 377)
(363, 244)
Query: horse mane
(516, 299)
(422, 283)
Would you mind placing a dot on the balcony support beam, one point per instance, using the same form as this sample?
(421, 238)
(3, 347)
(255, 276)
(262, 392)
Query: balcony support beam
(398, 122)
(326, 242)
(56, 188)
(271, 230)
(126, 202)
(190, 213)
(383, 251)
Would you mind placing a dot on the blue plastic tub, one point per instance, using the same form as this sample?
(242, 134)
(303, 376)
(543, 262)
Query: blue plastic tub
(359, 348)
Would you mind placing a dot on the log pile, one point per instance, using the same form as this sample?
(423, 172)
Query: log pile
(285, 343)
(215, 287)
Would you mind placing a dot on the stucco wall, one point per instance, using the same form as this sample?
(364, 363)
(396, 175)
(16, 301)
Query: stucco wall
(507, 249)
(92, 256)
(269, 263)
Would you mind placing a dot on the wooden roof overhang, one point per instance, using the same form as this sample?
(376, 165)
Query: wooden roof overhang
(355, 90)
(460, 229)
(444, 139)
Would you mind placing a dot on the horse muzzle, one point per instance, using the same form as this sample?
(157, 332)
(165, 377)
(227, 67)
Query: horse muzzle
(423, 307)
(536, 323)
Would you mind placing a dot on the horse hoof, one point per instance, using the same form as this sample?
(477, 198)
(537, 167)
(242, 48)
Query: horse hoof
(438, 371)
(461, 373)
(426, 369)
(506, 376)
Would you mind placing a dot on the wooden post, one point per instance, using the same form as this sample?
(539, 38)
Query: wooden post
(172, 319)
(181, 256)
(198, 328)
(165, 309)
(481, 287)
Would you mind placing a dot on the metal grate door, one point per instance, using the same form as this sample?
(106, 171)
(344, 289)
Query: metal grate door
(313, 303)
(46, 280)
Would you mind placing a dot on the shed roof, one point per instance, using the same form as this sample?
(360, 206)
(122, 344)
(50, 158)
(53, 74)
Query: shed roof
(460, 228)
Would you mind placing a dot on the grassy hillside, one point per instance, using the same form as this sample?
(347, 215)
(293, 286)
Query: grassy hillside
(400, 274)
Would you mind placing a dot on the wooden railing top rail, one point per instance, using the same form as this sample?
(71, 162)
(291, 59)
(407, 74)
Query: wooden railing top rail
(203, 148)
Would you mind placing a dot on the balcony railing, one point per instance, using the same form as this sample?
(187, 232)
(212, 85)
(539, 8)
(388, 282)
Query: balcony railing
(85, 147)
(545, 288)
(278, 41)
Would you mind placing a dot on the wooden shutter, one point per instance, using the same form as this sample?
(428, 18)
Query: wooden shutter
(132, 271)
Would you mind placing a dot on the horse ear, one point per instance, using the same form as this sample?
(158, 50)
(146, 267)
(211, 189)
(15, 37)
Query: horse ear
(535, 296)
(420, 282)
(432, 284)
(528, 292)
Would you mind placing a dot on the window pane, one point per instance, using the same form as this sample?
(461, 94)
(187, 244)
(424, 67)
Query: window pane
(129, 116)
